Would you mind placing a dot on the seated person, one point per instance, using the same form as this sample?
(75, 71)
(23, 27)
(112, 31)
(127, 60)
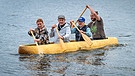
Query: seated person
(63, 28)
(96, 25)
(41, 33)
(83, 29)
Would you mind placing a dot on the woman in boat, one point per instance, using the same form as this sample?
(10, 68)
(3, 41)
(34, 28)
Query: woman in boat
(41, 33)
(96, 25)
(83, 29)
(63, 28)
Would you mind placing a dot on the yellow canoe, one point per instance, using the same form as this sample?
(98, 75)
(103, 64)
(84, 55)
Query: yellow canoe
(70, 46)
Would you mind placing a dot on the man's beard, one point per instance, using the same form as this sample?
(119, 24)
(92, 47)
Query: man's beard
(93, 19)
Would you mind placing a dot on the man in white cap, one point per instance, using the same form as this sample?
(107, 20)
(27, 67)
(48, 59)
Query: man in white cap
(63, 28)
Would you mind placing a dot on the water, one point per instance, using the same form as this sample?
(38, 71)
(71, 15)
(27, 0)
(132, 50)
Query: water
(17, 17)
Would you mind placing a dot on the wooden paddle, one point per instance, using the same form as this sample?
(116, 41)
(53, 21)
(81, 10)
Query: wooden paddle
(39, 51)
(81, 14)
(85, 37)
(61, 41)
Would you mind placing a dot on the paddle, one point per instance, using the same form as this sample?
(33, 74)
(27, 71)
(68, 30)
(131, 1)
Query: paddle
(39, 51)
(61, 41)
(81, 14)
(85, 37)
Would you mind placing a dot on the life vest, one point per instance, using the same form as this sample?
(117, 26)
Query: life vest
(78, 35)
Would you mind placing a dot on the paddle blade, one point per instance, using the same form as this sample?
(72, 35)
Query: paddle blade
(62, 45)
(87, 39)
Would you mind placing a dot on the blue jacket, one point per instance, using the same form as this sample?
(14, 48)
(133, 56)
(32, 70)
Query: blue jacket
(65, 32)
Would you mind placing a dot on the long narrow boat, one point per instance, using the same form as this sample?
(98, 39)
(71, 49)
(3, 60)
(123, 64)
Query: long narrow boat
(70, 46)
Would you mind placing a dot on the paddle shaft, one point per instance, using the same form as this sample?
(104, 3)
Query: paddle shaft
(76, 27)
(85, 37)
(81, 14)
(61, 41)
(39, 51)
(34, 38)
(57, 31)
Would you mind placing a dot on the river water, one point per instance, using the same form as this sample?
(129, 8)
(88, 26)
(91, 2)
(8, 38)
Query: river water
(18, 16)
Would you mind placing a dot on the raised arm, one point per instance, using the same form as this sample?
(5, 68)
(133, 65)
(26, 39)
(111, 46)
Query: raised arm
(93, 12)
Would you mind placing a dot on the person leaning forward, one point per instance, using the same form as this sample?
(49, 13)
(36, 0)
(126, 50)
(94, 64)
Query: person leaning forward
(96, 25)
(41, 33)
(83, 29)
(63, 28)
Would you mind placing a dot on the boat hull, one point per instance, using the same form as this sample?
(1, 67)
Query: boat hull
(69, 47)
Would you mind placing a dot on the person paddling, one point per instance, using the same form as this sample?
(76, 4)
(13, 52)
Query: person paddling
(83, 29)
(96, 25)
(63, 28)
(40, 33)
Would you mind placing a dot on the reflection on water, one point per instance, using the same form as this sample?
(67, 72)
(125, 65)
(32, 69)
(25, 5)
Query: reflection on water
(36, 62)
(75, 63)
(60, 64)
